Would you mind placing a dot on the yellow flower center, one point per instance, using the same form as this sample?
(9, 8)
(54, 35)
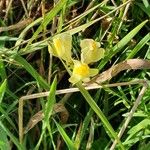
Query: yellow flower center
(94, 46)
(58, 45)
(82, 70)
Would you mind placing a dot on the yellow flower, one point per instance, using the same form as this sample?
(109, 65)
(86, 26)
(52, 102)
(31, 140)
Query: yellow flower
(81, 72)
(61, 46)
(91, 51)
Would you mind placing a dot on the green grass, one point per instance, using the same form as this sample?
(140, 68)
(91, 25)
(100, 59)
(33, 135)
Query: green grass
(26, 67)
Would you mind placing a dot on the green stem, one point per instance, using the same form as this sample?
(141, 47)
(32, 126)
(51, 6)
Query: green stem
(96, 109)
(100, 114)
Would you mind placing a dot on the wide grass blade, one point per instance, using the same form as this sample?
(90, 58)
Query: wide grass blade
(139, 127)
(48, 112)
(12, 137)
(121, 44)
(50, 103)
(139, 46)
(4, 143)
(2, 90)
(32, 71)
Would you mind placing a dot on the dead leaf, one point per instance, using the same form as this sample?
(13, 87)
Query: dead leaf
(58, 108)
(114, 70)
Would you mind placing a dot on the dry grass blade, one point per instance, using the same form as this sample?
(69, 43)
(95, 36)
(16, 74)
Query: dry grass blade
(20, 25)
(58, 108)
(114, 70)
(91, 136)
(33, 121)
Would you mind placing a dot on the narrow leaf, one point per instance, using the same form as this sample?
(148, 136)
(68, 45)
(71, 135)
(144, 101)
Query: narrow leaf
(2, 90)
(48, 18)
(12, 137)
(139, 46)
(2, 70)
(4, 143)
(99, 113)
(32, 71)
(140, 126)
(67, 140)
(121, 44)
(50, 103)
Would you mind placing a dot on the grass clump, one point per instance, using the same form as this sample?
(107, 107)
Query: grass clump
(53, 93)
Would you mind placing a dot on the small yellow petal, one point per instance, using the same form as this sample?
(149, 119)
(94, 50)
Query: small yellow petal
(62, 46)
(93, 72)
(94, 45)
(81, 69)
(58, 46)
(89, 43)
(52, 50)
(74, 79)
(80, 72)
(90, 51)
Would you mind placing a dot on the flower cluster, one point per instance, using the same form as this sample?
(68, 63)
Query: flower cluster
(90, 52)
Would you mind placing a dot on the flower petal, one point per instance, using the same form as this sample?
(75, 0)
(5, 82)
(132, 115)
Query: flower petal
(90, 51)
(74, 79)
(93, 72)
(81, 69)
(52, 50)
(90, 56)
(63, 45)
(80, 72)
(89, 43)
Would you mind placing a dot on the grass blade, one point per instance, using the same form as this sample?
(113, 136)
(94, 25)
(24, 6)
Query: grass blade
(12, 137)
(5, 115)
(4, 143)
(100, 114)
(47, 19)
(121, 44)
(48, 112)
(86, 25)
(2, 90)
(139, 46)
(32, 71)
(50, 103)
(67, 140)
(139, 127)
(7, 38)
(2, 70)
